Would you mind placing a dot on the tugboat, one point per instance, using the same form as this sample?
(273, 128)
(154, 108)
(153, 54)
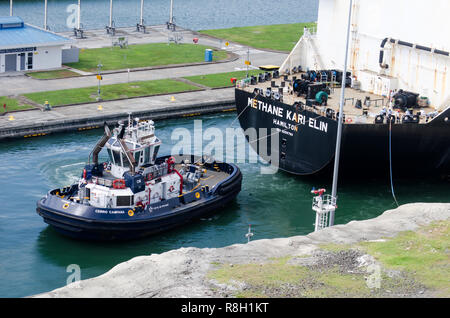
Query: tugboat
(136, 194)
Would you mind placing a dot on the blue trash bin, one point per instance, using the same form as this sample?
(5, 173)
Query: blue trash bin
(208, 55)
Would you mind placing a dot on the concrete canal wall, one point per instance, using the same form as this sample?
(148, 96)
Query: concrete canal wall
(34, 123)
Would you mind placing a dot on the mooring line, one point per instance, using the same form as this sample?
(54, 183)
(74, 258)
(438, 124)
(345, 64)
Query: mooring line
(390, 161)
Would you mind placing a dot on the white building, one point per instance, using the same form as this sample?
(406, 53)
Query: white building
(24, 47)
(394, 44)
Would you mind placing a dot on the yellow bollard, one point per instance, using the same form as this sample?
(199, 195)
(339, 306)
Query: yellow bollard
(172, 99)
(11, 117)
(100, 107)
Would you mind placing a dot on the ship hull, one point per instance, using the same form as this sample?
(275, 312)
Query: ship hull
(305, 143)
(89, 223)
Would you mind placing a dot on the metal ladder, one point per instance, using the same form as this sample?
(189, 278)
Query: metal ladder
(323, 205)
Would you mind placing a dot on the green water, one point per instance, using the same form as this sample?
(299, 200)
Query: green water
(34, 258)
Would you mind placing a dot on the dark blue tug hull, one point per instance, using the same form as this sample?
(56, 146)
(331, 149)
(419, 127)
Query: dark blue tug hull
(90, 223)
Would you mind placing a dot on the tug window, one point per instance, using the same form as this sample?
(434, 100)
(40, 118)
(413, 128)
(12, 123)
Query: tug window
(155, 152)
(116, 156)
(137, 156)
(110, 155)
(147, 155)
(125, 161)
(125, 200)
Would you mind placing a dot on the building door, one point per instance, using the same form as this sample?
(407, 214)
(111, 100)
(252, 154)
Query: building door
(10, 62)
(22, 61)
(30, 60)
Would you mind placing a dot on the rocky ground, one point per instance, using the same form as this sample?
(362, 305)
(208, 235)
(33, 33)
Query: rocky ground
(402, 253)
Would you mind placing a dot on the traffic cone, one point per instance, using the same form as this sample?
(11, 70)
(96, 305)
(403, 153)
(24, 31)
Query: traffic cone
(172, 99)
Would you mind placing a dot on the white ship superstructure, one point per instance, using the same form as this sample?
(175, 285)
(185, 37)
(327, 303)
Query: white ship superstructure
(400, 44)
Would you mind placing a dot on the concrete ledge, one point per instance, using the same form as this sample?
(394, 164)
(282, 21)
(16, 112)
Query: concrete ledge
(89, 122)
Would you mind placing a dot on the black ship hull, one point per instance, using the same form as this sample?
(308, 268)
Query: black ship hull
(305, 142)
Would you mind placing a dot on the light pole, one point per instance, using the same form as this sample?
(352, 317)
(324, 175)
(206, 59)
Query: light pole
(11, 8)
(99, 77)
(171, 12)
(110, 13)
(45, 15)
(341, 114)
(141, 20)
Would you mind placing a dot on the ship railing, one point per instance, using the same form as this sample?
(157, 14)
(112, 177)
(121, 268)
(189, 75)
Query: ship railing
(310, 30)
(102, 181)
(324, 203)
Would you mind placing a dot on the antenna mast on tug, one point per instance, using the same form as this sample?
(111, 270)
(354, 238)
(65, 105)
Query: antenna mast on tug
(325, 205)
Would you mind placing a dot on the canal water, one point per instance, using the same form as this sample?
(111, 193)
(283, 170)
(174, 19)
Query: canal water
(34, 258)
(192, 14)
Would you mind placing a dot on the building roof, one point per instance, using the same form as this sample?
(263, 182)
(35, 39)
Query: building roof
(24, 35)
(5, 21)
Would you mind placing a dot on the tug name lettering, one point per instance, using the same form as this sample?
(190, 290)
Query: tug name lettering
(290, 115)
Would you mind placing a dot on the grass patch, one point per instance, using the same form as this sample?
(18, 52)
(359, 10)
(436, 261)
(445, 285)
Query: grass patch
(336, 284)
(423, 253)
(12, 104)
(143, 55)
(110, 92)
(53, 74)
(270, 274)
(220, 79)
(280, 37)
(280, 279)
(413, 263)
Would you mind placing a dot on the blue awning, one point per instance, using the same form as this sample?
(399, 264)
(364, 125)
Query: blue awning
(16, 36)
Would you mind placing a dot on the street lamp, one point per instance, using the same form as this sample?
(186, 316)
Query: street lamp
(99, 77)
